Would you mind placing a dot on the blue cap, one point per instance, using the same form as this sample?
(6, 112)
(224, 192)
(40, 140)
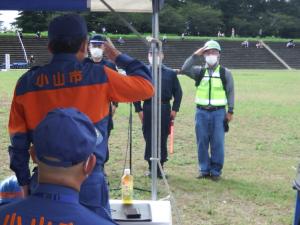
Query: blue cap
(67, 27)
(10, 190)
(67, 136)
(97, 39)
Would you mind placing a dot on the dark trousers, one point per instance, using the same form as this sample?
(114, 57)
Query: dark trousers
(165, 123)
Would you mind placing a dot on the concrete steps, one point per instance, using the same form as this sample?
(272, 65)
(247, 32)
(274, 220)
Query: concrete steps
(176, 51)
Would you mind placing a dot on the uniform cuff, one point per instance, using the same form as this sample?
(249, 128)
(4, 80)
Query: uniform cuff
(123, 61)
(230, 110)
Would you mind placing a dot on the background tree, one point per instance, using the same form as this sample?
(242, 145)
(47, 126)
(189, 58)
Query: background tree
(31, 22)
(203, 17)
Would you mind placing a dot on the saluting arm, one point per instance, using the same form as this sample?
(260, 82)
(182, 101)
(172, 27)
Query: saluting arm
(189, 67)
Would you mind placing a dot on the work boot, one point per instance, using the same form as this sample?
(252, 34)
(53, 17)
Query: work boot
(215, 178)
(203, 176)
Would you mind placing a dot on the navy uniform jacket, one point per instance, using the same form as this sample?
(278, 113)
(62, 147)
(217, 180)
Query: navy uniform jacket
(51, 204)
(170, 88)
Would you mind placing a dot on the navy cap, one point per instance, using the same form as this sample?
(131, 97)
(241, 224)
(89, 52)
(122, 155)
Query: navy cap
(67, 136)
(67, 27)
(97, 39)
(10, 190)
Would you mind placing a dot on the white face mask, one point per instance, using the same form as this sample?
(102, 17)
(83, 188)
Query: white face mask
(96, 53)
(150, 60)
(211, 60)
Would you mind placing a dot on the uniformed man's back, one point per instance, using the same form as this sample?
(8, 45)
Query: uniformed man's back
(42, 208)
(64, 145)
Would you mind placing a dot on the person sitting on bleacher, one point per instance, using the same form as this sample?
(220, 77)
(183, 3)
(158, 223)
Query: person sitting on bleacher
(245, 44)
(259, 44)
(121, 41)
(290, 44)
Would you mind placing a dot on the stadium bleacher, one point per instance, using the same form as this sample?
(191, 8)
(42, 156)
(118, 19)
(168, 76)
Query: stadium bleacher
(176, 51)
(290, 55)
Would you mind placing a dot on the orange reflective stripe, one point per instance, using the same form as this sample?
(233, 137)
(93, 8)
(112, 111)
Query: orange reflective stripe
(16, 118)
(11, 194)
(49, 223)
(19, 220)
(42, 221)
(91, 100)
(128, 88)
(12, 220)
(6, 219)
(33, 221)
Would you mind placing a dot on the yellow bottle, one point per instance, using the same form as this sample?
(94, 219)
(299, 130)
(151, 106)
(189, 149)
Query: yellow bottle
(127, 187)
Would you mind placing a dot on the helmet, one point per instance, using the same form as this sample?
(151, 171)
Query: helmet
(212, 45)
(97, 39)
(10, 190)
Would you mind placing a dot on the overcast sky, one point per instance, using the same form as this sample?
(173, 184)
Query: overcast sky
(8, 17)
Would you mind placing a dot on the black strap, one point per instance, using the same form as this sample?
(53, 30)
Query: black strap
(200, 76)
(223, 78)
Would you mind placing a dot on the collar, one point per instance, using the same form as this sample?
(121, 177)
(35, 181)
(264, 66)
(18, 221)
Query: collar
(212, 68)
(64, 57)
(57, 193)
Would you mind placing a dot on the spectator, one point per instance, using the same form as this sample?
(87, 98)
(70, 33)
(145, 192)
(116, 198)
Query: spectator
(259, 44)
(103, 30)
(121, 41)
(232, 32)
(164, 38)
(219, 33)
(290, 44)
(245, 44)
(31, 60)
(182, 36)
(64, 145)
(38, 34)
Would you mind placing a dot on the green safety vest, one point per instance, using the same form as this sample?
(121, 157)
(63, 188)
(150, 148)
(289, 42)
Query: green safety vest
(210, 90)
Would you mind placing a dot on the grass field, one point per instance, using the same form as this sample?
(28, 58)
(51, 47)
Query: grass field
(174, 37)
(262, 152)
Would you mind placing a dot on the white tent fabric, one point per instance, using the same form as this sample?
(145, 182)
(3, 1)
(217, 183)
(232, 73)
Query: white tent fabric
(123, 5)
(77, 5)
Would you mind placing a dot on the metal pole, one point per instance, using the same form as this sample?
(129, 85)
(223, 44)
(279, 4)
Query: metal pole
(156, 103)
(130, 139)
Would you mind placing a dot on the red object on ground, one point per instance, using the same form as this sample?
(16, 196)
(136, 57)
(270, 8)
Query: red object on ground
(171, 140)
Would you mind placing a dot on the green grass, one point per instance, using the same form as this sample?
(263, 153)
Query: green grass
(262, 152)
(175, 37)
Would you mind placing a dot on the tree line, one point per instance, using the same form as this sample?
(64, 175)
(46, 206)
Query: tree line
(251, 18)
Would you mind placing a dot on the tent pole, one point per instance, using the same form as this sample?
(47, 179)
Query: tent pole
(156, 100)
